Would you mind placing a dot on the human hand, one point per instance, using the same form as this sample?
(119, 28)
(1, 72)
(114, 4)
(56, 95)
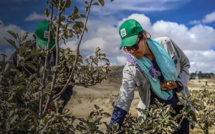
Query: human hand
(168, 85)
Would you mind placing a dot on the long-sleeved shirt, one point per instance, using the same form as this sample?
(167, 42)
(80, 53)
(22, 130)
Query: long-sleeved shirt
(119, 115)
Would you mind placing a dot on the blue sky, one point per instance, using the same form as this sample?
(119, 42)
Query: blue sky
(190, 23)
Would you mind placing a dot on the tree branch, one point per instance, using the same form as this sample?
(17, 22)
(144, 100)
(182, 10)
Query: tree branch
(64, 6)
(46, 63)
(184, 116)
(57, 53)
(77, 54)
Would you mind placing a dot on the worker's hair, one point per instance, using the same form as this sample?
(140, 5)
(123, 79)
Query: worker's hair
(148, 35)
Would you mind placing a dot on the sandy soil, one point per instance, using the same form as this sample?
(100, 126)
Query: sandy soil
(104, 94)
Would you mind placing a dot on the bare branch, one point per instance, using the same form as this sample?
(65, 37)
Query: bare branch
(46, 63)
(57, 54)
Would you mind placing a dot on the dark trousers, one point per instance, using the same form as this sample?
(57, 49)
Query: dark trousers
(184, 129)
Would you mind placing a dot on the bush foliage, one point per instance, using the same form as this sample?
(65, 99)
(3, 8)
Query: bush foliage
(25, 110)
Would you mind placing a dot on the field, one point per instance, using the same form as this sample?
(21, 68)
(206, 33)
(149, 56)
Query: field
(104, 94)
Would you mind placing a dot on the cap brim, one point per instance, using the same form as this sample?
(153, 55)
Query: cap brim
(129, 41)
(42, 43)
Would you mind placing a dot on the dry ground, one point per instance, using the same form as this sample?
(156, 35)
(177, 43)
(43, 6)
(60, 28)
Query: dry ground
(103, 95)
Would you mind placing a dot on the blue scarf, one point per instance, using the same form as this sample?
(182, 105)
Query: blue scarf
(165, 64)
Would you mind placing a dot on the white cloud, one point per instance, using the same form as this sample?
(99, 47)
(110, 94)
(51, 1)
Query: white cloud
(35, 16)
(209, 18)
(121, 59)
(121, 6)
(4, 33)
(161, 28)
(201, 60)
(196, 40)
(195, 22)
(93, 43)
(198, 37)
(70, 44)
(141, 18)
(7, 52)
(104, 36)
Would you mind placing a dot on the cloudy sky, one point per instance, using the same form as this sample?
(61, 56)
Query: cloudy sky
(190, 23)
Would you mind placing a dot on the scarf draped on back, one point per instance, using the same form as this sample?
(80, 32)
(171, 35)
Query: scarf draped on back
(165, 64)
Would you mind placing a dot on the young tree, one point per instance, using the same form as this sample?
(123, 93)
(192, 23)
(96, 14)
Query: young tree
(40, 111)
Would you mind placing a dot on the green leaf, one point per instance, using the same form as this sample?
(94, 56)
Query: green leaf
(63, 18)
(115, 127)
(86, 8)
(80, 24)
(27, 43)
(83, 16)
(188, 108)
(97, 50)
(102, 2)
(106, 114)
(92, 114)
(75, 10)
(11, 42)
(0, 23)
(100, 132)
(11, 113)
(12, 33)
(32, 66)
(102, 55)
(42, 69)
(107, 126)
(13, 119)
(24, 36)
(97, 107)
(180, 103)
(69, 2)
(96, 3)
(7, 68)
(46, 11)
(75, 16)
(106, 60)
(86, 29)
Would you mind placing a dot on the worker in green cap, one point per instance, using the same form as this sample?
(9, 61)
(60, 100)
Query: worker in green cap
(157, 68)
(41, 36)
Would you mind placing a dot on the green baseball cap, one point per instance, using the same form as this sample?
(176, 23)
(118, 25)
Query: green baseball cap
(129, 31)
(42, 35)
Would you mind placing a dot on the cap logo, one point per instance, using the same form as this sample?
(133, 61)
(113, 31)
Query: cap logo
(46, 34)
(123, 32)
